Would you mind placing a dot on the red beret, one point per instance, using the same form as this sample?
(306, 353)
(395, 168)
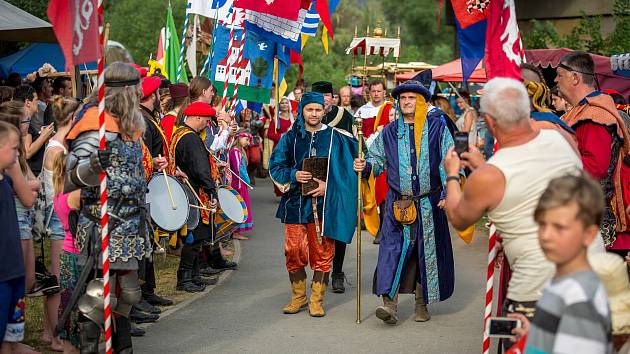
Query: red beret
(178, 90)
(200, 109)
(142, 71)
(149, 85)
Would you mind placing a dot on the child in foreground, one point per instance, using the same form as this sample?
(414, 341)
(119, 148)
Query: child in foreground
(573, 315)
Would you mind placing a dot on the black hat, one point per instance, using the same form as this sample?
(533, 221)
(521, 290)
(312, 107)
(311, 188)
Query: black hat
(411, 86)
(322, 87)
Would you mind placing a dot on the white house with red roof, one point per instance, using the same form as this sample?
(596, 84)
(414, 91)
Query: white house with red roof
(245, 67)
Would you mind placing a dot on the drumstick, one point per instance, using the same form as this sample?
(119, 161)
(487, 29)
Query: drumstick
(193, 190)
(168, 187)
(202, 208)
(233, 173)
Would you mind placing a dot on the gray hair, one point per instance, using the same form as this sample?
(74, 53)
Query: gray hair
(123, 102)
(506, 101)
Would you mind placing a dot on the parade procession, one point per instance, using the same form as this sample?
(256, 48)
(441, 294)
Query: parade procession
(314, 176)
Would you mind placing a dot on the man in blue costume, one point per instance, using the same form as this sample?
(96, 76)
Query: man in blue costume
(336, 200)
(414, 255)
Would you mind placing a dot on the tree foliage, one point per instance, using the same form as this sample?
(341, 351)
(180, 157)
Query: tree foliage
(136, 25)
(587, 35)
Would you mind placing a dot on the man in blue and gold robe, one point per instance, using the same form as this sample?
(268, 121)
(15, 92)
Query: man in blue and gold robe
(413, 256)
(335, 200)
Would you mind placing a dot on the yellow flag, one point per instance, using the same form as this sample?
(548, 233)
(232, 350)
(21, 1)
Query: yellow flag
(325, 39)
(283, 88)
(370, 213)
(304, 39)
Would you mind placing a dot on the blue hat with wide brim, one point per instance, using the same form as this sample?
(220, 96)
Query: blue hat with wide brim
(411, 86)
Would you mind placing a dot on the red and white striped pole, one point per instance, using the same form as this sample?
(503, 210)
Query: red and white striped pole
(103, 179)
(239, 60)
(229, 66)
(492, 258)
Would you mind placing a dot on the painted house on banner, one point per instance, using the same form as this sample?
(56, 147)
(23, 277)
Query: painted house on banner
(245, 67)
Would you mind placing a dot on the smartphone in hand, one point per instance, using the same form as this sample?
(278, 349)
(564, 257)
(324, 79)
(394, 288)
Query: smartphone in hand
(461, 143)
(501, 327)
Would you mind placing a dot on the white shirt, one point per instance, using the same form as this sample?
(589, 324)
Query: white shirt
(528, 169)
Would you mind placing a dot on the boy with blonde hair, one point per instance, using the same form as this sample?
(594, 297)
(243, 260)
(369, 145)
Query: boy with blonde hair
(573, 314)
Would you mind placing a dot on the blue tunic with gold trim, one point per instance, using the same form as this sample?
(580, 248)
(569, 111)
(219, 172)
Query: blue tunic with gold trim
(420, 252)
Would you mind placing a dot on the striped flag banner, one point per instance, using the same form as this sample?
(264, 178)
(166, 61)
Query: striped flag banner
(311, 21)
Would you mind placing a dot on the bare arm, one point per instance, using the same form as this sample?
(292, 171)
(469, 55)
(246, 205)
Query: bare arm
(469, 119)
(74, 200)
(483, 191)
(32, 147)
(21, 186)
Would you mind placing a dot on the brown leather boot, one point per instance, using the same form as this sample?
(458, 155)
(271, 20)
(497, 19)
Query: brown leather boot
(388, 313)
(298, 289)
(318, 289)
(422, 312)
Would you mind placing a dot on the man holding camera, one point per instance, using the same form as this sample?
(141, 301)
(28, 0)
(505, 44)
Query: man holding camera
(415, 252)
(508, 186)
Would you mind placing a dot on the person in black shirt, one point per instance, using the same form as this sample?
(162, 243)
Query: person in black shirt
(190, 155)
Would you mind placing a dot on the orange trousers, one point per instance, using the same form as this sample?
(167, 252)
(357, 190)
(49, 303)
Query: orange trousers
(301, 247)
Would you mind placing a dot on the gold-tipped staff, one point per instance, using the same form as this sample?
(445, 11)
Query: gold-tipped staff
(359, 125)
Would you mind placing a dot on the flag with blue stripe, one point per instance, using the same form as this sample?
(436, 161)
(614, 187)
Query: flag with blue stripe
(311, 21)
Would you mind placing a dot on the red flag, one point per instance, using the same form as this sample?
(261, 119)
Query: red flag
(324, 14)
(76, 27)
(504, 49)
(518, 347)
(289, 9)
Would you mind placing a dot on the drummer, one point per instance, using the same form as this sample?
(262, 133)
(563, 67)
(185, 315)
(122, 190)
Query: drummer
(189, 153)
(154, 158)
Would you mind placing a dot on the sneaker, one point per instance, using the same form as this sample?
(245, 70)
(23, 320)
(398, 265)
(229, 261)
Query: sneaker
(44, 285)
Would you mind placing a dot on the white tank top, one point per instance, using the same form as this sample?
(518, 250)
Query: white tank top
(527, 169)
(47, 175)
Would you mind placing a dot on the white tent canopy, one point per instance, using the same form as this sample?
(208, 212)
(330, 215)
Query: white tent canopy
(17, 25)
(375, 46)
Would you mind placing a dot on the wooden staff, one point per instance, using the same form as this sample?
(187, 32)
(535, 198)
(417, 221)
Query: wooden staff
(359, 125)
(168, 188)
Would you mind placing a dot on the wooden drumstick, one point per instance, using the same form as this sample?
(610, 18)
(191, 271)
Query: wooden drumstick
(168, 187)
(193, 190)
(198, 199)
(233, 173)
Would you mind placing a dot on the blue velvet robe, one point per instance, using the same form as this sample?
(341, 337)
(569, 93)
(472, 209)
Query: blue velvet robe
(428, 236)
(337, 209)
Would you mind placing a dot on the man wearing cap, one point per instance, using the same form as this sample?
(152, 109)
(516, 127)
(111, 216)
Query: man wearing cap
(602, 140)
(153, 136)
(333, 115)
(190, 155)
(415, 252)
(337, 117)
(305, 242)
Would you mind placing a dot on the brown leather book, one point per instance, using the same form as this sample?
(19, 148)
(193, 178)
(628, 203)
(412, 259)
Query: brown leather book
(318, 167)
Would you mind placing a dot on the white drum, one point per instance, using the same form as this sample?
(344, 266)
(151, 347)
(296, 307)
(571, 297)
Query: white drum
(167, 214)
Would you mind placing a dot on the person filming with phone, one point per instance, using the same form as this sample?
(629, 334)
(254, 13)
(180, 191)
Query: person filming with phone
(507, 187)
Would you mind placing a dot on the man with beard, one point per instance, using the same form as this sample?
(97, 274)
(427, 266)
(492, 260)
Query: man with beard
(305, 242)
(337, 117)
(415, 253)
(155, 143)
(189, 154)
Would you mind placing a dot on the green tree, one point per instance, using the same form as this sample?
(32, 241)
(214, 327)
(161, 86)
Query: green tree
(587, 35)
